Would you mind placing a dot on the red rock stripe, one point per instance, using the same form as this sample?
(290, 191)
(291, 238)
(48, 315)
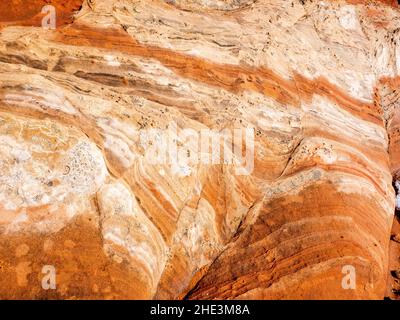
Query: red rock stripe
(233, 78)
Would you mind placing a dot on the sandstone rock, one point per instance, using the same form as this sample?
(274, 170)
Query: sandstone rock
(82, 106)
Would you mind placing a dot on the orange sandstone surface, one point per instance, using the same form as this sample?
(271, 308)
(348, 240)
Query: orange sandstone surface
(29, 13)
(316, 81)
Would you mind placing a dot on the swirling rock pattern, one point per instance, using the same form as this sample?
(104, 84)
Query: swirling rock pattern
(318, 82)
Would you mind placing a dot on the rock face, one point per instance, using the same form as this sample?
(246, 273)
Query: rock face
(316, 85)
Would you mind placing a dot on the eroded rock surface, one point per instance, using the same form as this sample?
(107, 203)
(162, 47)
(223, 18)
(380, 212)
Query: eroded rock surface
(318, 82)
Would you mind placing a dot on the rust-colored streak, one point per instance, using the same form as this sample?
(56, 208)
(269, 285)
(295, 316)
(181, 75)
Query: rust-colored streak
(83, 271)
(378, 17)
(234, 78)
(392, 82)
(272, 251)
(28, 13)
(388, 97)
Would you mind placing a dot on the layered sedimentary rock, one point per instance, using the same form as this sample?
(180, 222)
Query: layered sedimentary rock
(316, 81)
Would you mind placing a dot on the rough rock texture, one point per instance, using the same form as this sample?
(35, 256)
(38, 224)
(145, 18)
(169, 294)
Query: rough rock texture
(317, 80)
(29, 13)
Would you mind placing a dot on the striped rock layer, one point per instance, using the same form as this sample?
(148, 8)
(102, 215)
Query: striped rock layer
(318, 81)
